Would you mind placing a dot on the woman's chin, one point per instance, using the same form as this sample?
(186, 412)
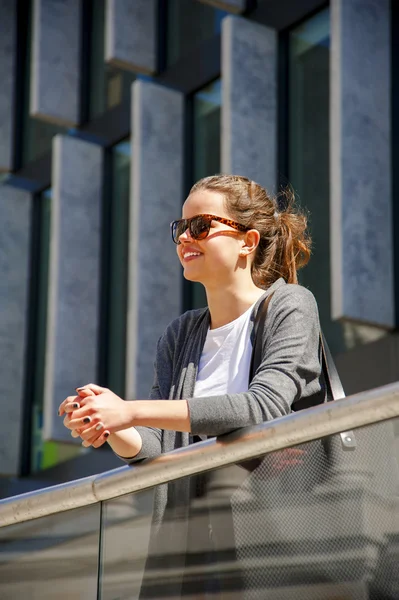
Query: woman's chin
(192, 275)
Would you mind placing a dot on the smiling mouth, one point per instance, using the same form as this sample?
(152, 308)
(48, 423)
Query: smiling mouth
(191, 257)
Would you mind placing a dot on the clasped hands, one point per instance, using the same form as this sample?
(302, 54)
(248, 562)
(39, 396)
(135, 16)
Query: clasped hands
(94, 414)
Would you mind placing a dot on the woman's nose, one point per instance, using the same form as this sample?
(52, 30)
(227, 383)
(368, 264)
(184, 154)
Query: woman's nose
(186, 235)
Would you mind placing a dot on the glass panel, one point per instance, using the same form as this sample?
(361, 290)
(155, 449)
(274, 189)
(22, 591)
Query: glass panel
(309, 523)
(109, 86)
(126, 526)
(207, 115)
(118, 263)
(44, 454)
(309, 55)
(37, 134)
(54, 557)
(189, 23)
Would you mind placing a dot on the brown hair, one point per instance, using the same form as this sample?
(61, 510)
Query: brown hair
(284, 245)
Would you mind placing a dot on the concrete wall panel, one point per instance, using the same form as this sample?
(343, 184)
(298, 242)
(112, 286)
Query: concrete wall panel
(361, 196)
(155, 281)
(131, 34)
(249, 108)
(74, 276)
(15, 236)
(55, 66)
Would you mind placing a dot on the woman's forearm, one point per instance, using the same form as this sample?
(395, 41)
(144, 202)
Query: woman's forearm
(161, 414)
(126, 443)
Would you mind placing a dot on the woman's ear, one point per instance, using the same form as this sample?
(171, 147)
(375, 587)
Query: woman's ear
(250, 242)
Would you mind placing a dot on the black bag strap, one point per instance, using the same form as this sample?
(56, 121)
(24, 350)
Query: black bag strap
(335, 390)
(259, 326)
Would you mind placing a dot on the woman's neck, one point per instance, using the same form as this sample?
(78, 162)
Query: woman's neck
(226, 305)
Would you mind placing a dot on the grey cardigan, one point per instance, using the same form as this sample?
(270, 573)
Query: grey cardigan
(290, 370)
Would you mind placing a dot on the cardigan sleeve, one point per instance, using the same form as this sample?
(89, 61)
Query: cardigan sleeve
(290, 368)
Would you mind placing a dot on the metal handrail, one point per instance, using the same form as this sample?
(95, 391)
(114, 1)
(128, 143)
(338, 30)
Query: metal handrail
(355, 411)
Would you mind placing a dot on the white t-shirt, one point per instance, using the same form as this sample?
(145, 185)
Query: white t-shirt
(225, 359)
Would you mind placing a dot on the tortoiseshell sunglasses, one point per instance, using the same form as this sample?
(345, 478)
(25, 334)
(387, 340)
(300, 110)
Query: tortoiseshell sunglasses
(199, 226)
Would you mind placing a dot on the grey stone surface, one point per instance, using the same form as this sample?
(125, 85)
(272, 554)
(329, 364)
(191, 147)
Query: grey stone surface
(249, 108)
(131, 34)
(15, 226)
(234, 6)
(55, 66)
(74, 276)
(155, 280)
(7, 79)
(361, 197)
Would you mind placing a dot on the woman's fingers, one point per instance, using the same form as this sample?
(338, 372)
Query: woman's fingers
(84, 392)
(71, 406)
(84, 423)
(101, 440)
(71, 401)
(96, 439)
(92, 432)
(91, 388)
(76, 416)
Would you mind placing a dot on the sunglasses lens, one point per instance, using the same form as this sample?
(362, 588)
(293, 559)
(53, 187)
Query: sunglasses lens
(200, 227)
(178, 228)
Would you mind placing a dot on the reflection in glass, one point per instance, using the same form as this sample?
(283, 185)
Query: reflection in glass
(44, 454)
(189, 24)
(109, 86)
(125, 533)
(118, 266)
(207, 107)
(309, 55)
(314, 521)
(52, 557)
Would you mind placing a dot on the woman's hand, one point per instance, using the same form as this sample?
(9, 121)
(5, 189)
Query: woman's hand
(94, 413)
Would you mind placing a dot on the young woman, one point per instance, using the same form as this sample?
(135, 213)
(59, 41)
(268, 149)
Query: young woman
(234, 240)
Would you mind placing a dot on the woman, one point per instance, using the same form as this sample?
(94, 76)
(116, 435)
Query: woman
(234, 240)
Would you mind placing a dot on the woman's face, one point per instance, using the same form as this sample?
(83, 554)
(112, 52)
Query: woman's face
(219, 252)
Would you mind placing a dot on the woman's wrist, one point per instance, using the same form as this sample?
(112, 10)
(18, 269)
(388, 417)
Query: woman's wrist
(126, 443)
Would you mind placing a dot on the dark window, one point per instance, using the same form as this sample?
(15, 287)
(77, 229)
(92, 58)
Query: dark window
(44, 454)
(207, 105)
(116, 238)
(206, 154)
(189, 23)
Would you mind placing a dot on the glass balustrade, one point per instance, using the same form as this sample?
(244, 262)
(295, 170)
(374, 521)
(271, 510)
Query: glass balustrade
(314, 522)
(52, 557)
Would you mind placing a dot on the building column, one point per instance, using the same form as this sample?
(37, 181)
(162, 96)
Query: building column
(74, 276)
(249, 107)
(15, 242)
(55, 64)
(360, 151)
(155, 274)
(131, 34)
(8, 51)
